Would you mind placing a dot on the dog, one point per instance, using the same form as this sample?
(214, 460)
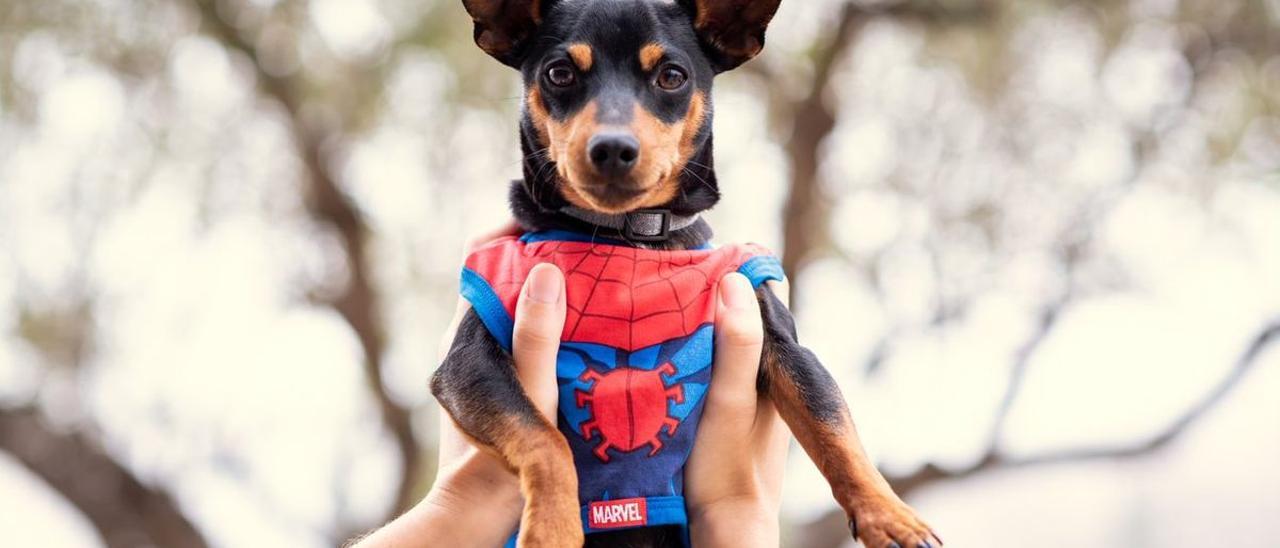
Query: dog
(617, 139)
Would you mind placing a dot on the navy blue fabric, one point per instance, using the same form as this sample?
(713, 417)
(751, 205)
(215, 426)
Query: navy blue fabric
(659, 478)
(635, 474)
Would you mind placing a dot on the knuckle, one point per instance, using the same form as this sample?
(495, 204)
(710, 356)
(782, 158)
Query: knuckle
(781, 290)
(534, 336)
(743, 334)
(472, 243)
(738, 403)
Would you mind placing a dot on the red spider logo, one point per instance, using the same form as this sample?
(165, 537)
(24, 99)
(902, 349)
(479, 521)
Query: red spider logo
(629, 408)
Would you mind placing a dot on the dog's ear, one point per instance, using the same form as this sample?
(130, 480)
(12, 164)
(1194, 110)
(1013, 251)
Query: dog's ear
(732, 31)
(503, 27)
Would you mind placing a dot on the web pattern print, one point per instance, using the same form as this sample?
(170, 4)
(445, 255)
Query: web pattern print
(622, 297)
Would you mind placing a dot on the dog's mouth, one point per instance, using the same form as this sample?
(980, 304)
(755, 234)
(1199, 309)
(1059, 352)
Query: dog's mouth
(611, 196)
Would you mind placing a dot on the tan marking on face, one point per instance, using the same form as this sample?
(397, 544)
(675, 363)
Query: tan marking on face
(566, 145)
(665, 150)
(582, 56)
(650, 54)
(538, 115)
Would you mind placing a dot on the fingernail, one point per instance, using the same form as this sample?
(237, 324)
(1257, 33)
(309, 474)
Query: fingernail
(735, 290)
(544, 285)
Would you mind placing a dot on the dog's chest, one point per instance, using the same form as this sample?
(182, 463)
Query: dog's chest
(635, 358)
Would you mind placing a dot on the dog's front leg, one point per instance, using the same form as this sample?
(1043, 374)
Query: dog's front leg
(810, 402)
(478, 387)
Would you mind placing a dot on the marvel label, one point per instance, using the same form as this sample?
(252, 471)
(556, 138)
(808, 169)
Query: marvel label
(610, 514)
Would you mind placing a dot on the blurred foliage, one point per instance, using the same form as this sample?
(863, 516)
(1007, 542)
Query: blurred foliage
(941, 152)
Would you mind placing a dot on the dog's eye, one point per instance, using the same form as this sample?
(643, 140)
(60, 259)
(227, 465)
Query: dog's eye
(671, 78)
(561, 75)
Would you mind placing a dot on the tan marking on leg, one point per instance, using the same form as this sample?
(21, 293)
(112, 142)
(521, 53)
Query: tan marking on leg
(540, 456)
(582, 56)
(862, 492)
(650, 54)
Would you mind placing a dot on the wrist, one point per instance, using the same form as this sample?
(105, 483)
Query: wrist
(477, 482)
(735, 522)
(468, 505)
(474, 501)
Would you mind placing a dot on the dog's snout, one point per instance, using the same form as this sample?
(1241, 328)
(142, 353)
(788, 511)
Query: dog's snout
(613, 153)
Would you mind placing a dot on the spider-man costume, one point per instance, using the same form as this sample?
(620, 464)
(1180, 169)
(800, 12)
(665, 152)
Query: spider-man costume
(635, 358)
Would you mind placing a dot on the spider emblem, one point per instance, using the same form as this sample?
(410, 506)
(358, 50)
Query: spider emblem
(629, 408)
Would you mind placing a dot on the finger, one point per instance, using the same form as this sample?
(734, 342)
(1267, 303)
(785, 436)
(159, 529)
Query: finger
(509, 228)
(453, 446)
(772, 440)
(451, 331)
(539, 321)
(739, 339)
(782, 289)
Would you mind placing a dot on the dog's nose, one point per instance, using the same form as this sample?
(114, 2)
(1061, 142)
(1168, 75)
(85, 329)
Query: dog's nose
(613, 154)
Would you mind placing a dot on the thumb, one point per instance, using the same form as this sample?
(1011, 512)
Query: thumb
(739, 338)
(539, 321)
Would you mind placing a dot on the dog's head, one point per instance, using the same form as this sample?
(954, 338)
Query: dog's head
(618, 92)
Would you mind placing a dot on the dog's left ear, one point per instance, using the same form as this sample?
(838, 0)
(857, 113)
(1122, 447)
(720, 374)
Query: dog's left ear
(504, 27)
(732, 31)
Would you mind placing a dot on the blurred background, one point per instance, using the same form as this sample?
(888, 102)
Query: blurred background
(1037, 242)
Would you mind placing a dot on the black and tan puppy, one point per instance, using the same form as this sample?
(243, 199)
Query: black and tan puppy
(616, 135)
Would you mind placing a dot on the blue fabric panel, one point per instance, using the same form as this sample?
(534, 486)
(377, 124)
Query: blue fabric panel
(695, 354)
(568, 236)
(488, 306)
(762, 268)
(661, 511)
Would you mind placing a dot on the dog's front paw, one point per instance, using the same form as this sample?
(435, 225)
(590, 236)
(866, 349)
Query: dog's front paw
(886, 522)
(551, 520)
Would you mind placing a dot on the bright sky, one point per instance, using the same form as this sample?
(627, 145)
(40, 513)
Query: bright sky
(214, 376)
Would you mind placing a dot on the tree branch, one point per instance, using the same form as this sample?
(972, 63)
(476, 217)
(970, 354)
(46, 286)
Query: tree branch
(358, 304)
(1047, 320)
(124, 511)
(806, 215)
(996, 459)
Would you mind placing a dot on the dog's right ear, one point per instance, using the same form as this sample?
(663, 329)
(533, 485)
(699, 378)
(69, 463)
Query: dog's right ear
(503, 27)
(731, 31)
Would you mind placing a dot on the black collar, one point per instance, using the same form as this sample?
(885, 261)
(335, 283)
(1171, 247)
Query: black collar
(642, 225)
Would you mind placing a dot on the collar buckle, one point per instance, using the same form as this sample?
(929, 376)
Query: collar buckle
(647, 225)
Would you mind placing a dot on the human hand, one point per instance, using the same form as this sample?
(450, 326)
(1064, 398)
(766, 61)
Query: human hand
(734, 475)
(475, 500)
(733, 481)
